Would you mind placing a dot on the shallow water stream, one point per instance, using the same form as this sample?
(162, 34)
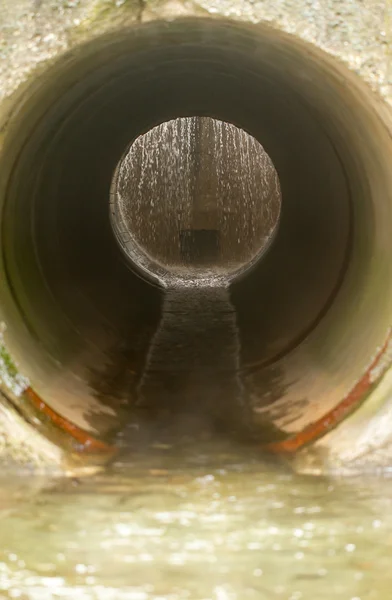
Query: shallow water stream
(198, 519)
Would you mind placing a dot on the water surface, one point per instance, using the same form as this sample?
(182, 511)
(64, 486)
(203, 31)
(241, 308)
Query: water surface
(197, 519)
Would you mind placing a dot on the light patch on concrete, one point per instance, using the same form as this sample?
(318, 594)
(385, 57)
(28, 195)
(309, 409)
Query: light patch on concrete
(24, 449)
(10, 377)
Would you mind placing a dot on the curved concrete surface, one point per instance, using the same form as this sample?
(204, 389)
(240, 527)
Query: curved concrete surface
(313, 318)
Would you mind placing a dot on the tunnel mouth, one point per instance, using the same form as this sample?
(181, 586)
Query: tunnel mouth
(194, 201)
(312, 317)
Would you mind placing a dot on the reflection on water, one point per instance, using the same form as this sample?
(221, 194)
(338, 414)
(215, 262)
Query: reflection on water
(200, 519)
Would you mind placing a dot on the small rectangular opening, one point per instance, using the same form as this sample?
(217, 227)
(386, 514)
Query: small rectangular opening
(199, 246)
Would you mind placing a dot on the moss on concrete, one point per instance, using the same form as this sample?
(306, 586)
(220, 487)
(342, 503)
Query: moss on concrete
(10, 377)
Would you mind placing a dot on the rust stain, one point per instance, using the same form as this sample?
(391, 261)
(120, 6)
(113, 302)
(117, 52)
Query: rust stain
(311, 433)
(86, 442)
(331, 419)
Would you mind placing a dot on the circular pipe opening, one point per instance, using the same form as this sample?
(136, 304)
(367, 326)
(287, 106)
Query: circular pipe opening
(313, 315)
(195, 200)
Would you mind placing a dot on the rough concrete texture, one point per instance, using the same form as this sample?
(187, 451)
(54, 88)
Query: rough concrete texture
(356, 31)
(23, 448)
(32, 32)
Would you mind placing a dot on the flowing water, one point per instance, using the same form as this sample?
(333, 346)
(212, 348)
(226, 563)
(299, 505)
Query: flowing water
(196, 519)
(193, 361)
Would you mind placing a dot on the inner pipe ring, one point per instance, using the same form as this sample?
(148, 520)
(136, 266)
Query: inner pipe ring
(195, 199)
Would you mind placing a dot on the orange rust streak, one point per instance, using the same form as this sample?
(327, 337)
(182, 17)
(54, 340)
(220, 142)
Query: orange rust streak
(89, 443)
(315, 430)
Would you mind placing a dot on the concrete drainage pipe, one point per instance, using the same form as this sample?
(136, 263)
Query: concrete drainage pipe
(313, 316)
